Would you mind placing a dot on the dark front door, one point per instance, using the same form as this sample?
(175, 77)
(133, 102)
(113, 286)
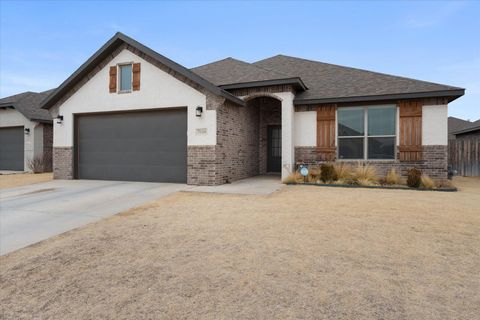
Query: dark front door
(11, 148)
(133, 146)
(274, 149)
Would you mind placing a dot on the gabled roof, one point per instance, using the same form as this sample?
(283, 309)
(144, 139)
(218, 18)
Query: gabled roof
(333, 83)
(29, 105)
(117, 40)
(231, 73)
(473, 127)
(457, 124)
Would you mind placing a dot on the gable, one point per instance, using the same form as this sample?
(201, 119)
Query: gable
(158, 89)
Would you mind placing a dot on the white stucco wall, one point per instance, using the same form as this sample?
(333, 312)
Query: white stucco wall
(306, 129)
(435, 125)
(288, 132)
(157, 90)
(33, 141)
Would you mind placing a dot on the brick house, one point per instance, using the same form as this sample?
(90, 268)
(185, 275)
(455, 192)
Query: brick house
(26, 131)
(129, 113)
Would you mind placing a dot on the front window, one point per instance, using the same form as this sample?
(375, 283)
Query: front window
(125, 78)
(366, 132)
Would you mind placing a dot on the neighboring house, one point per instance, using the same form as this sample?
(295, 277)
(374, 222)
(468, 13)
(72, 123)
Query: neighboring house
(26, 131)
(457, 124)
(129, 113)
(472, 131)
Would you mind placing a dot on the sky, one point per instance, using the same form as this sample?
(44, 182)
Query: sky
(44, 42)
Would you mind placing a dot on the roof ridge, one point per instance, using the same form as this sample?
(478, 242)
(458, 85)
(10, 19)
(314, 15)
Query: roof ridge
(359, 69)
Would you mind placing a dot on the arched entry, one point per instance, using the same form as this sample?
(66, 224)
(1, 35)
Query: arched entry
(269, 132)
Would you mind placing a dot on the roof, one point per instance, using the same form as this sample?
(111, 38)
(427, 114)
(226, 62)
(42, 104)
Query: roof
(457, 124)
(474, 127)
(111, 45)
(231, 73)
(333, 83)
(29, 104)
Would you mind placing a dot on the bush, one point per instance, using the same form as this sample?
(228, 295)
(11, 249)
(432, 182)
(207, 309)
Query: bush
(444, 184)
(343, 172)
(393, 177)
(313, 174)
(365, 175)
(414, 178)
(37, 164)
(426, 182)
(295, 177)
(327, 173)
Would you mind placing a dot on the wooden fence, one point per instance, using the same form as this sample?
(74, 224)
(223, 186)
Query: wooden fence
(464, 156)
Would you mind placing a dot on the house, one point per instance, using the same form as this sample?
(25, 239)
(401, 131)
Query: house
(471, 132)
(26, 131)
(129, 113)
(457, 124)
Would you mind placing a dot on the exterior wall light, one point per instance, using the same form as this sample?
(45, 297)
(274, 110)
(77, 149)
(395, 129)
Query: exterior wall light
(27, 130)
(199, 111)
(59, 119)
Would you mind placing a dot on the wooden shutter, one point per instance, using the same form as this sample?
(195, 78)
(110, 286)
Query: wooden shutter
(136, 76)
(113, 79)
(326, 132)
(410, 130)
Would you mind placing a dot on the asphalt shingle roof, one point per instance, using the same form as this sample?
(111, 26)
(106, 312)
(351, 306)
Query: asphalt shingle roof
(232, 71)
(29, 104)
(332, 81)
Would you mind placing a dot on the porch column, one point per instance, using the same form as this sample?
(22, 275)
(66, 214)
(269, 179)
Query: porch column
(288, 151)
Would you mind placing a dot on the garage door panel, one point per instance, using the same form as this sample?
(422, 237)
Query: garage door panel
(137, 146)
(12, 148)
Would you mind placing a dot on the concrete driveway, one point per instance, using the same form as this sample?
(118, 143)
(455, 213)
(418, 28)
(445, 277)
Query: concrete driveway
(36, 212)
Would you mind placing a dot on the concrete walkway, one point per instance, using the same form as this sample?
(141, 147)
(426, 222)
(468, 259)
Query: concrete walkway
(32, 213)
(259, 185)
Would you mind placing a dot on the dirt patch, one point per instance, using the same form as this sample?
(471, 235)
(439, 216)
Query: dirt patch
(303, 252)
(22, 179)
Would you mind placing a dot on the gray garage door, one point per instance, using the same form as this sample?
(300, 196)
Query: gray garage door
(11, 148)
(135, 146)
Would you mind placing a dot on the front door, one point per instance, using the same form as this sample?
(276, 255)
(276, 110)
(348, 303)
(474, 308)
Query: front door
(274, 149)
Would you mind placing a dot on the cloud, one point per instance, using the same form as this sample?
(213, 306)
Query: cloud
(431, 17)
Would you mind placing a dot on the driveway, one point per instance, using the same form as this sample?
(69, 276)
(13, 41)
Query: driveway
(36, 212)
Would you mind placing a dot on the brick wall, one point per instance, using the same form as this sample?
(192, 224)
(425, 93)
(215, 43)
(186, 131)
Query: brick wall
(201, 165)
(434, 162)
(270, 114)
(63, 163)
(237, 142)
(48, 146)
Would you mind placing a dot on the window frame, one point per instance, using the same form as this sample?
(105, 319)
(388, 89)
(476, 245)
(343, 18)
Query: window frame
(119, 77)
(365, 135)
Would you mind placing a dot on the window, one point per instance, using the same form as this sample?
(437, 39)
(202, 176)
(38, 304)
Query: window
(367, 132)
(125, 78)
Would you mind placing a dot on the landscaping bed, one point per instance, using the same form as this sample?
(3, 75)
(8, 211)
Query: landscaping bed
(364, 176)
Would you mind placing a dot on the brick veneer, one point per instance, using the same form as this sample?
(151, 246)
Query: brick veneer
(434, 161)
(270, 114)
(63, 163)
(201, 165)
(47, 146)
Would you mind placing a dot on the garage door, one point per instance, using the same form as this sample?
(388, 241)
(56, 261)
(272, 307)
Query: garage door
(11, 148)
(135, 146)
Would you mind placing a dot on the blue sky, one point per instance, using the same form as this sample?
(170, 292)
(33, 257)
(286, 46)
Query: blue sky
(43, 42)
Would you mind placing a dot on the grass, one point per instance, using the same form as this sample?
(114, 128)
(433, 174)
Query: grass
(300, 253)
(426, 182)
(365, 175)
(393, 178)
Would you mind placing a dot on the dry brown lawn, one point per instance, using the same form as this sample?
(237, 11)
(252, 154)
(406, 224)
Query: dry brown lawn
(304, 252)
(22, 179)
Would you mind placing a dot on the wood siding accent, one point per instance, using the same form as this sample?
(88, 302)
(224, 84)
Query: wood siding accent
(136, 76)
(113, 79)
(326, 131)
(410, 147)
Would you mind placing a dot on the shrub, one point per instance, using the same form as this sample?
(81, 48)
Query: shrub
(365, 175)
(295, 177)
(443, 184)
(426, 182)
(393, 177)
(343, 171)
(327, 173)
(37, 164)
(313, 174)
(414, 178)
